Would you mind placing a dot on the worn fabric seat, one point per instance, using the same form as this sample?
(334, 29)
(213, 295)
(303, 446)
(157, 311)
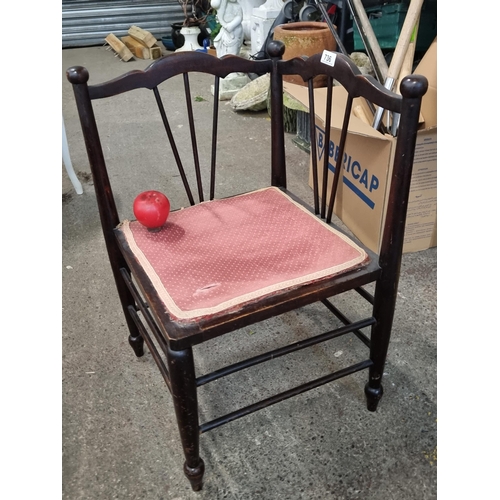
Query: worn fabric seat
(220, 254)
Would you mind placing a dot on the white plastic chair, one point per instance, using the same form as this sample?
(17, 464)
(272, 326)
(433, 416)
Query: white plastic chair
(67, 162)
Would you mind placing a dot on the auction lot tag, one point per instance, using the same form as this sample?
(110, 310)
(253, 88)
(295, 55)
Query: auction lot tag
(328, 58)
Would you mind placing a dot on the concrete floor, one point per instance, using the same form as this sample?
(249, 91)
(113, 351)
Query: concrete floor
(120, 439)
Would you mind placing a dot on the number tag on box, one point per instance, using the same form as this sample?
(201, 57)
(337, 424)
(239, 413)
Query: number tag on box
(328, 58)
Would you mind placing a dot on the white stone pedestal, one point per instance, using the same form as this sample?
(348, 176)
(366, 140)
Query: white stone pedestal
(190, 39)
(248, 7)
(262, 19)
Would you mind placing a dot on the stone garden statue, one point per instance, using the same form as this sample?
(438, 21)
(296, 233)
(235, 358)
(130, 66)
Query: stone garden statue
(230, 37)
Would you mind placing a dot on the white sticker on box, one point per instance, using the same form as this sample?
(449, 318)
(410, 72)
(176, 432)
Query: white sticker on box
(328, 58)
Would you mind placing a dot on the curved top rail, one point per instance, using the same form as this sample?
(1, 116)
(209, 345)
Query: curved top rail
(347, 74)
(172, 65)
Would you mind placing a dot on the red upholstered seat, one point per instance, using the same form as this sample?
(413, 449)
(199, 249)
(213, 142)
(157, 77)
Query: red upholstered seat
(219, 254)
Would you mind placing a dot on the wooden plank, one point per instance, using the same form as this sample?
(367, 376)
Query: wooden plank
(360, 113)
(119, 47)
(155, 52)
(141, 51)
(137, 48)
(143, 36)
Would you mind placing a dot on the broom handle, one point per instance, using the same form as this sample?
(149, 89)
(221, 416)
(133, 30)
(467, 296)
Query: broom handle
(411, 18)
(407, 65)
(406, 69)
(369, 39)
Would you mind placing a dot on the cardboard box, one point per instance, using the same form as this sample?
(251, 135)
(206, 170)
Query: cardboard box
(362, 195)
(428, 68)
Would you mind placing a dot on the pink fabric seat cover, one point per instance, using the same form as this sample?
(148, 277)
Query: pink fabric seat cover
(220, 254)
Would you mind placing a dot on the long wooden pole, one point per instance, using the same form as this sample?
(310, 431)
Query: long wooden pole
(411, 18)
(369, 39)
(406, 69)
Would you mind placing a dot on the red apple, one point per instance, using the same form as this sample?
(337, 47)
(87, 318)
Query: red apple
(151, 209)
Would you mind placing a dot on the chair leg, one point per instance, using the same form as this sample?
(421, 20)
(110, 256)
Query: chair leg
(135, 338)
(137, 344)
(183, 387)
(127, 299)
(383, 312)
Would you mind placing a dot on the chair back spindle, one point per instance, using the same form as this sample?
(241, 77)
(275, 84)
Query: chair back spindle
(194, 143)
(215, 124)
(339, 156)
(328, 123)
(312, 132)
(192, 131)
(173, 145)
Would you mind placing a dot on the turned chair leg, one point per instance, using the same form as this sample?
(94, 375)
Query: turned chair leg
(135, 338)
(127, 300)
(373, 388)
(383, 311)
(137, 344)
(183, 387)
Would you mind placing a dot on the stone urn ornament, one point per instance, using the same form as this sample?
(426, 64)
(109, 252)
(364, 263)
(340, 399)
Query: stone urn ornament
(195, 15)
(305, 38)
(190, 34)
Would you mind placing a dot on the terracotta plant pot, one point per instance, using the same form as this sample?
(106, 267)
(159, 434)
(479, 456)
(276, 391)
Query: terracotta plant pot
(305, 39)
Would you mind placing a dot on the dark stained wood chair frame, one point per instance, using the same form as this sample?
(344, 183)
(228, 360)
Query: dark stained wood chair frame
(173, 341)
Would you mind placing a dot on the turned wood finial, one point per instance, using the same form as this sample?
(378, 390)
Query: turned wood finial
(77, 74)
(276, 48)
(414, 86)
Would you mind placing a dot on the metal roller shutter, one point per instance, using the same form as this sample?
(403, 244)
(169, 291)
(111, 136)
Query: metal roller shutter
(87, 23)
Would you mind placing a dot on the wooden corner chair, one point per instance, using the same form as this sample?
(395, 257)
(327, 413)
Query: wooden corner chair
(224, 263)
